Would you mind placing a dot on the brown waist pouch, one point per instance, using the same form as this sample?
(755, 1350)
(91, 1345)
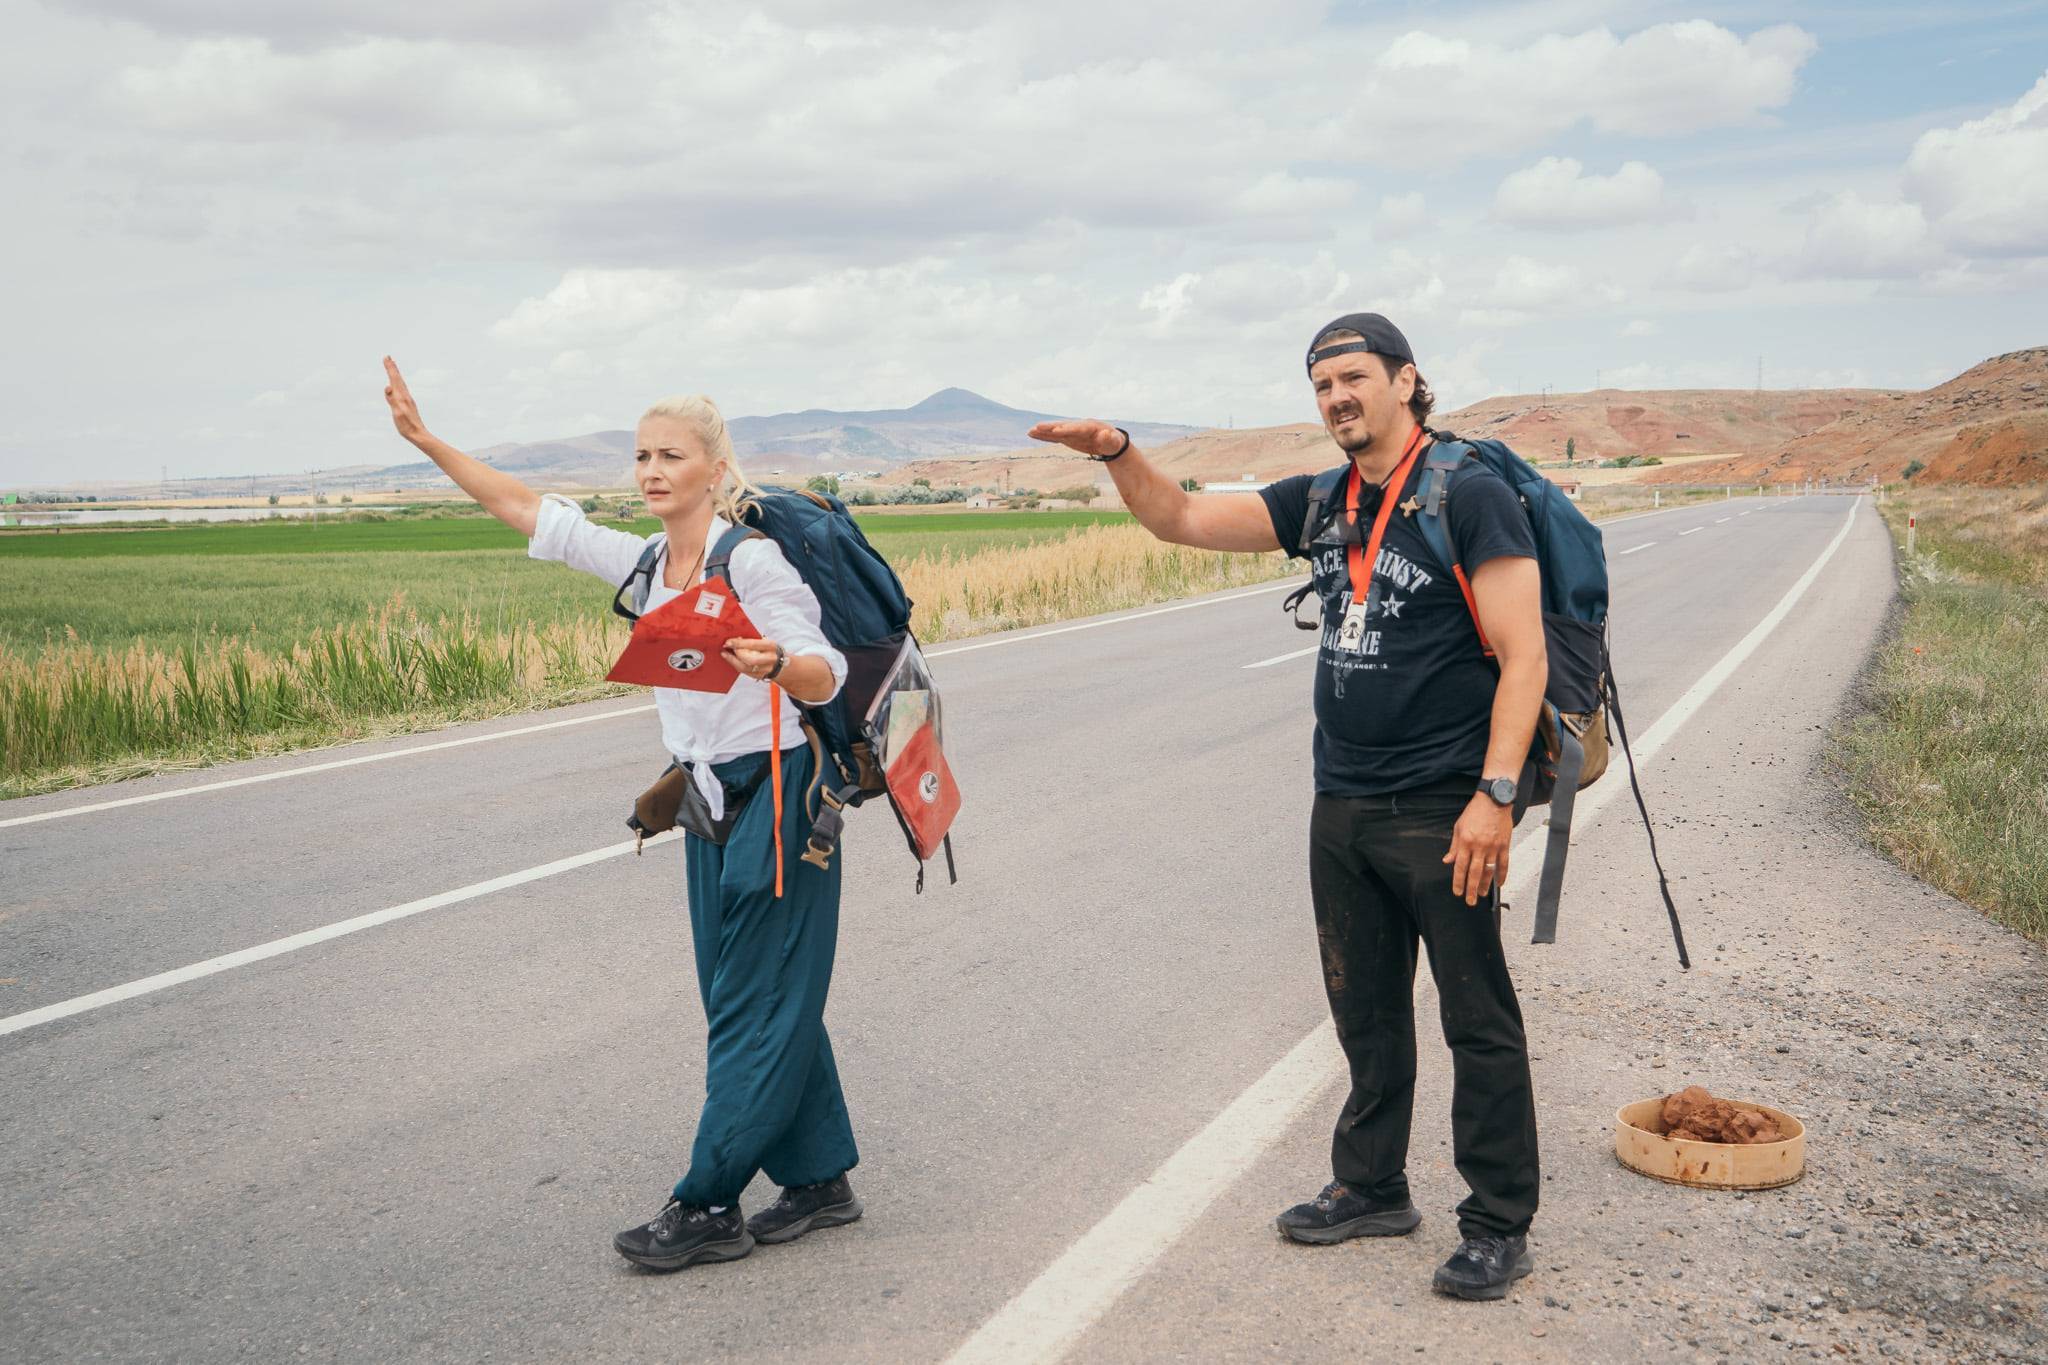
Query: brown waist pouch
(674, 802)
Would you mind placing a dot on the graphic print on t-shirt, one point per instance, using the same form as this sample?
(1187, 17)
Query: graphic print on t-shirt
(1394, 572)
(1412, 704)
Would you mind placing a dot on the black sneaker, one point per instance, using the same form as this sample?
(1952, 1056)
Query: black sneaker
(1484, 1267)
(827, 1204)
(1337, 1214)
(681, 1235)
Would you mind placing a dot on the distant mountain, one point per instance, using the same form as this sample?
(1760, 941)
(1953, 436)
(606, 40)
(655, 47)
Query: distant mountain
(950, 424)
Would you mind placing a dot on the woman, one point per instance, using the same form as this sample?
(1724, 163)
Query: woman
(764, 962)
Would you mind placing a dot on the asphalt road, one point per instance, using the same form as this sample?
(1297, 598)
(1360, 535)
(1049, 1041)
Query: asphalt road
(413, 1141)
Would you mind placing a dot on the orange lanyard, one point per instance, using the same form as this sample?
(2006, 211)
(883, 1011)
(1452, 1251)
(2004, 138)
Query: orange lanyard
(1366, 558)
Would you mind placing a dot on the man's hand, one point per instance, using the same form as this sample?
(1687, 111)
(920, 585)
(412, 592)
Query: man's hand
(1479, 848)
(1088, 436)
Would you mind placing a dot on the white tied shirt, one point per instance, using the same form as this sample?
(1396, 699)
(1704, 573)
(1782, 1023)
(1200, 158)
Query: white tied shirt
(703, 728)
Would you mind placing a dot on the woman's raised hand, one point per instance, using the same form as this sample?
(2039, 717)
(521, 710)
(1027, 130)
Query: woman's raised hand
(405, 414)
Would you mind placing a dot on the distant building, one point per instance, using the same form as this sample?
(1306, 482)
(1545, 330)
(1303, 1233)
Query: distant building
(1236, 486)
(1568, 487)
(981, 500)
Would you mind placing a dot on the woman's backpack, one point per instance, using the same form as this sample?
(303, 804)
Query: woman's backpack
(865, 613)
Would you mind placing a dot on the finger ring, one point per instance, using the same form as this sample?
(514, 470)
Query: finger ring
(1491, 866)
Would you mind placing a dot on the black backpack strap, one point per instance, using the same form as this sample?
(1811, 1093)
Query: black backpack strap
(1663, 882)
(1323, 503)
(640, 582)
(719, 565)
(1571, 761)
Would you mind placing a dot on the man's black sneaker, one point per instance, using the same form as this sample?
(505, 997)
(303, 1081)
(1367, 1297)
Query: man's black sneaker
(828, 1204)
(1339, 1213)
(1484, 1267)
(681, 1235)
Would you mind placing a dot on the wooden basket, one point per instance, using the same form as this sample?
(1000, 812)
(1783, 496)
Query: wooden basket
(1709, 1165)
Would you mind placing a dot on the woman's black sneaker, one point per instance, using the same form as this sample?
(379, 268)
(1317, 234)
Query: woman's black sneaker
(828, 1204)
(1484, 1267)
(1338, 1213)
(681, 1235)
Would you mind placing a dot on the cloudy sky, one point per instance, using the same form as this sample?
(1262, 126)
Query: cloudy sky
(222, 212)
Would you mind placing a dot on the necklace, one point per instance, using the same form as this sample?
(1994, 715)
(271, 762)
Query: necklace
(690, 578)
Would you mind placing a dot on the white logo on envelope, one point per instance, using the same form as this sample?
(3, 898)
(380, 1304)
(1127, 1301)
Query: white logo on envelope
(710, 604)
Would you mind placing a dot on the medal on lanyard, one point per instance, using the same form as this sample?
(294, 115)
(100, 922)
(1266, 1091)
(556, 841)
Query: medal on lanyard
(1364, 559)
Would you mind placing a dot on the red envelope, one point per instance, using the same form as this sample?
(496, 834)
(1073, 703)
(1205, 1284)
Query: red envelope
(678, 643)
(924, 790)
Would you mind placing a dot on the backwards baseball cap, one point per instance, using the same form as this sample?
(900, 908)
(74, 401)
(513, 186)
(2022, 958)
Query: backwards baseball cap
(1381, 338)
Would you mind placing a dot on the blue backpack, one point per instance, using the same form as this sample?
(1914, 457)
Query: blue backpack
(1571, 746)
(863, 611)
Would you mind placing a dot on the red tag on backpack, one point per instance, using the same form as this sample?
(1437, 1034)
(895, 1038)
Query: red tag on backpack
(924, 790)
(678, 643)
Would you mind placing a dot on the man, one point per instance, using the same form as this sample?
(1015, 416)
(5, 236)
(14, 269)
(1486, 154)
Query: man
(1419, 740)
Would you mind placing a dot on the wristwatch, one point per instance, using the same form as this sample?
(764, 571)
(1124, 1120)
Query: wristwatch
(1499, 790)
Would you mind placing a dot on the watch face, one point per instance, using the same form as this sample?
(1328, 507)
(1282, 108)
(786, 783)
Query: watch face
(1502, 790)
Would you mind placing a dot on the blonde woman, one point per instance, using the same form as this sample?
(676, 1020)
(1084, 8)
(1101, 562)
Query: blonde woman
(764, 962)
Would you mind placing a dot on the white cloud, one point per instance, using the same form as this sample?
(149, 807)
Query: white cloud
(1666, 80)
(1714, 268)
(314, 20)
(1556, 193)
(601, 304)
(1850, 237)
(243, 89)
(1401, 215)
(1641, 327)
(1983, 186)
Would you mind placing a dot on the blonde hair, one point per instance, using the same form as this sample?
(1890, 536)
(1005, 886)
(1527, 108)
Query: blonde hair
(735, 492)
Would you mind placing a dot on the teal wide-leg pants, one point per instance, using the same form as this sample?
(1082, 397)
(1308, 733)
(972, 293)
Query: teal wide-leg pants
(772, 1099)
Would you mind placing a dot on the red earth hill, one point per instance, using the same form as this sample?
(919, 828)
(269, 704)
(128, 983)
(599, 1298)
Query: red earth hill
(1987, 425)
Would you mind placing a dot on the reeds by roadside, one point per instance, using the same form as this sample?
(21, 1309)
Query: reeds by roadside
(1950, 760)
(1099, 569)
(72, 713)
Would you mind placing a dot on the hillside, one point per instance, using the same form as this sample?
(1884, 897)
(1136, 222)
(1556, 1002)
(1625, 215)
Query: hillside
(1987, 425)
(1603, 423)
(1609, 422)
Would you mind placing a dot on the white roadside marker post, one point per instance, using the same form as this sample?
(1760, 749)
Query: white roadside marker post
(1911, 524)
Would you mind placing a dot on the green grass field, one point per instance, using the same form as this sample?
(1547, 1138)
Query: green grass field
(1950, 760)
(272, 583)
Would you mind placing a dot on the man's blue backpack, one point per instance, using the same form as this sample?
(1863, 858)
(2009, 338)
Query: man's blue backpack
(1571, 747)
(863, 611)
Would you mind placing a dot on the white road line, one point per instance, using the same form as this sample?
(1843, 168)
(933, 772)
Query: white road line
(578, 720)
(1042, 1323)
(1719, 520)
(79, 1004)
(328, 766)
(1633, 548)
(1693, 529)
(1048, 1316)
(1283, 658)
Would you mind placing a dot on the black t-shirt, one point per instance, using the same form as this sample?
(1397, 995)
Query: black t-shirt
(1414, 705)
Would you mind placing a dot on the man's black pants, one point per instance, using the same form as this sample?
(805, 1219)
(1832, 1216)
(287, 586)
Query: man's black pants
(1379, 881)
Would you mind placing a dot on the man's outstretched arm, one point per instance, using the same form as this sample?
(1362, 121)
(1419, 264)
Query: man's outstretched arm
(1210, 521)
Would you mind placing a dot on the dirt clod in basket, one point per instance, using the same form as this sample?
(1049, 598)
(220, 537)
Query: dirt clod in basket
(1694, 1114)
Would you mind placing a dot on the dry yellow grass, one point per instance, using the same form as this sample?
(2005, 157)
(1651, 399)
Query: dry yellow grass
(73, 713)
(1098, 569)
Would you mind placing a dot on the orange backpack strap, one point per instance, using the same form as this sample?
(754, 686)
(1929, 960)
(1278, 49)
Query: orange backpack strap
(1431, 510)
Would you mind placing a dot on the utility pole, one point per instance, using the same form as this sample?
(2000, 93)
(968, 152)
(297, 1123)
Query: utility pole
(1759, 374)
